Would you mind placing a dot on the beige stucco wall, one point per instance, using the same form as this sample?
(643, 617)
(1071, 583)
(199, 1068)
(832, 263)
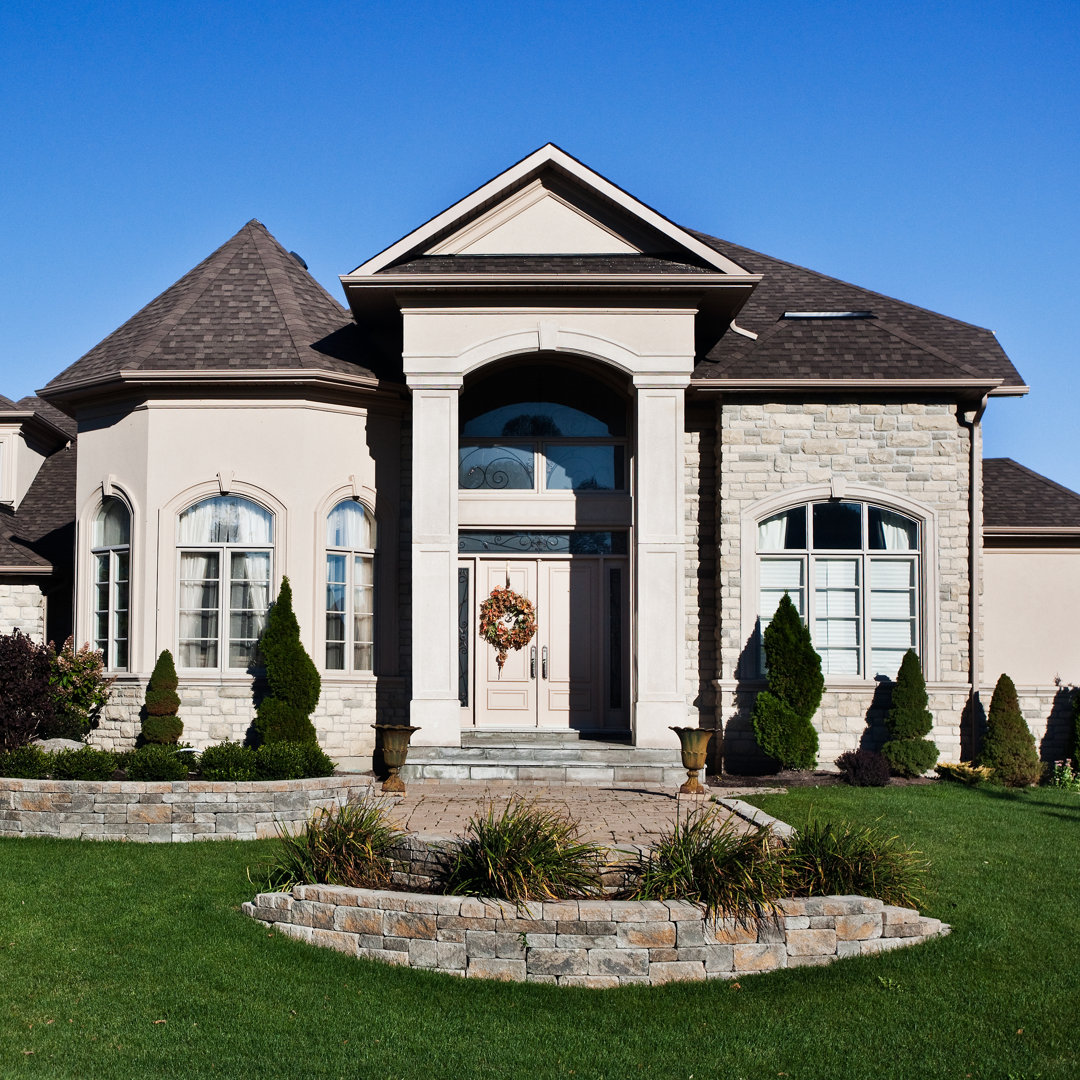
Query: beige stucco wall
(298, 459)
(915, 455)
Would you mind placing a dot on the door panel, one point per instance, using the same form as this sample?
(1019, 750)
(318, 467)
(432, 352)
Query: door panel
(506, 698)
(570, 599)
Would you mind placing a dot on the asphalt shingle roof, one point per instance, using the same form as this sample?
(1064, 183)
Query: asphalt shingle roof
(901, 341)
(42, 531)
(1016, 497)
(249, 306)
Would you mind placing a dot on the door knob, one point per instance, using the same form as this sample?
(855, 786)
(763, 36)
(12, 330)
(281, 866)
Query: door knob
(532, 662)
(543, 661)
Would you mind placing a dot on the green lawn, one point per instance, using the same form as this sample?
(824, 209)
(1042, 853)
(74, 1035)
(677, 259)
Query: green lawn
(128, 960)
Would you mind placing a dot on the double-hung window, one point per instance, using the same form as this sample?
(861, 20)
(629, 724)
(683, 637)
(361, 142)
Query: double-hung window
(350, 588)
(111, 557)
(853, 571)
(226, 547)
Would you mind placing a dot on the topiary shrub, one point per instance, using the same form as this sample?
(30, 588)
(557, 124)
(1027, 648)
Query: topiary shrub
(27, 762)
(782, 714)
(908, 721)
(86, 763)
(292, 678)
(1009, 746)
(80, 690)
(26, 701)
(161, 724)
(863, 768)
(157, 762)
(227, 761)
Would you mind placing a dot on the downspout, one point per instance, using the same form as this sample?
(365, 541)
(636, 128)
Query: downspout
(973, 420)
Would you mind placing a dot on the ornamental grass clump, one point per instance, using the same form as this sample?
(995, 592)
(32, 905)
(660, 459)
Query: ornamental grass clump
(343, 845)
(827, 859)
(1009, 747)
(710, 860)
(908, 751)
(524, 853)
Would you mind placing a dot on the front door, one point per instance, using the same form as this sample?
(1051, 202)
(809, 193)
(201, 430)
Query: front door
(571, 674)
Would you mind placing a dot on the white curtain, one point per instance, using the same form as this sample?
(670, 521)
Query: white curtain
(898, 533)
(350, 525)
(112, 526)
(772, 533)
(225, 519)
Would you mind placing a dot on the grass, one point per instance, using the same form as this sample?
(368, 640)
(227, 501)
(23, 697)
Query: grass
(124, 960)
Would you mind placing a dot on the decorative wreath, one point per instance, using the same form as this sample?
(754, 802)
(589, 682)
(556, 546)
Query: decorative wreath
(507, 621)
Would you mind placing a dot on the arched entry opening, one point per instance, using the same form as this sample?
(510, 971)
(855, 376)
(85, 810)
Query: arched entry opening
(545, 463)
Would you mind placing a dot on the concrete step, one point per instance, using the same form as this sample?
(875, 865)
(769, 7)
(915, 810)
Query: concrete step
(585, 754)
(540, 772)
(541, 737)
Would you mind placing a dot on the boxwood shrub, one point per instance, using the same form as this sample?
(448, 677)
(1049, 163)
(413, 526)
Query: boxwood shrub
(157, 762)
(24, 763)
(86, 763)
(227, 761)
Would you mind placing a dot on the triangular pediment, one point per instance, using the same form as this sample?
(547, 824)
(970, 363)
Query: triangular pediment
(548, 204)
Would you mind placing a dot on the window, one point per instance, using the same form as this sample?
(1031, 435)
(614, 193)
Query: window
(111, 555)
(350, 588)
(225, 549)
(852, 571)
(537, 429)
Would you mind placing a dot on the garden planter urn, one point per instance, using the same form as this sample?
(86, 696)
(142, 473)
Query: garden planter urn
(694, 743)
(395, 749)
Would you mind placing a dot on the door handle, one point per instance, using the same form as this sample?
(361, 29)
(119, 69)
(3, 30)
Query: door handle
(532, 662)
(543, 661)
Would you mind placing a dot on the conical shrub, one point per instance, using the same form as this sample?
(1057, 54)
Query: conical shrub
(908, 721)
(292, 679)
(1009, 746)
(161, 724)
(782, 714)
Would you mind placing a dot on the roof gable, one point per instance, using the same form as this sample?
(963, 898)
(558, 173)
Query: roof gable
(549, 203)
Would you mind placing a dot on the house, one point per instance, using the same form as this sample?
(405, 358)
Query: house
(650, 432)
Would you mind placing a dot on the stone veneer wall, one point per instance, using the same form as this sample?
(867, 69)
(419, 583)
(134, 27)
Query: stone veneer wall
(167, 811)
(215, 711)
(598, 943)
(920, 450)
(22, 607)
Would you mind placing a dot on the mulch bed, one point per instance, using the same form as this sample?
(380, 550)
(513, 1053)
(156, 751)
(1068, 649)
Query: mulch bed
(789, 778)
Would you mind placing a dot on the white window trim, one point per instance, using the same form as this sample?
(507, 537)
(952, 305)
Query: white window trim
(370, 553)
(112, 552)
(926, 583)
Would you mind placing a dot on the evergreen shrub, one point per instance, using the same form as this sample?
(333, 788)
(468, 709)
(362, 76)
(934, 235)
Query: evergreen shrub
(1076, 728)
(80, 690)
(27, 762)
(161, 724)
(908, 752)
(863, 768)
(155, 761)
(291, 761)
(1009, 746)
(227, 761)
(26, 700)
(292, 679)
(782, 714)
(86, 763)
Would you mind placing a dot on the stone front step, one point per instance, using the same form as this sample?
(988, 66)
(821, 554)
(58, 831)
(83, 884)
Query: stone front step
(542, 758)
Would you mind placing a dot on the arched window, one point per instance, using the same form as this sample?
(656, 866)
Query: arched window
(542, 428)
(350, 588)
(853, 571)
(111, 551)
(226, 547)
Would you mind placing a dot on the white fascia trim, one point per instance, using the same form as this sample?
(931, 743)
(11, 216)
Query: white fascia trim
(831, 385)
(546, 155)
(269, 376)
(425, 282)
(1020, 531)
(1010, 391)
(25, 571)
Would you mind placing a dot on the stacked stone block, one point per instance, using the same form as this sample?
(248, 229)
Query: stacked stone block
(22, 607)
(597, 943)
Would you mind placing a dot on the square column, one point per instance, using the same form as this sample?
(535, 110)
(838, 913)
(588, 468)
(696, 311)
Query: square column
(434, 707)
(660, 626)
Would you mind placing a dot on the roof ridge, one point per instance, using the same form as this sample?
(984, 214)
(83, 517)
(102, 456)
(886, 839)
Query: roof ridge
(1041, 477)
(886, 327)
(280, 284)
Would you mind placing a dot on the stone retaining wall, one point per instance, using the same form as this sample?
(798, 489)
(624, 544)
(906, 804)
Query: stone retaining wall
(167, 811)
(598, 943)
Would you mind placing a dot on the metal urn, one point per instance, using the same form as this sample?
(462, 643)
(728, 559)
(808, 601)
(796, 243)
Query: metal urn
(694, 744)
(394, 739)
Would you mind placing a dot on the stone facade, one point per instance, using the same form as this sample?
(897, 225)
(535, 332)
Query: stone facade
(22, 607)
(595, 943)
(914, 451)
(168, 811)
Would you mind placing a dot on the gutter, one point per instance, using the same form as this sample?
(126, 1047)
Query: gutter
(983, 387)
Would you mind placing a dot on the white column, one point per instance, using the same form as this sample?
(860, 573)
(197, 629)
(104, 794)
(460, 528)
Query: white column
(434, 706)
(660, 698)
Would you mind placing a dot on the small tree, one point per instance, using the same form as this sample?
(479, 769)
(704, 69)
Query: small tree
(908, 721)
(292, 678)
(161, 724)
(26, 702)
(1009, 746)
(782, 714)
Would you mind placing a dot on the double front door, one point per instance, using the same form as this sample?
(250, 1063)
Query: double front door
(573, 674)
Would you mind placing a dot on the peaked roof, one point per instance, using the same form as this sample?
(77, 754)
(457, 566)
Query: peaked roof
(40, 537)
(1017, 499)
(898, 341)
(249, 306)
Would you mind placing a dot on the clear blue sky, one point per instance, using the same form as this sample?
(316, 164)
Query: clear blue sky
(927, 150)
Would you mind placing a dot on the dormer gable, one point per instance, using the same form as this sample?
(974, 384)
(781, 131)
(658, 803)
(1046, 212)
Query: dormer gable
(30, 430)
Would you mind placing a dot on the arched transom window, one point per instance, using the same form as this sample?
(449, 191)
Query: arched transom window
(111, 553)
(350, 588)
(225, 549)
(853, 571)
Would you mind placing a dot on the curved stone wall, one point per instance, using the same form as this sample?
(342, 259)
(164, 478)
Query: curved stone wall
(167, 810)
(599, 943)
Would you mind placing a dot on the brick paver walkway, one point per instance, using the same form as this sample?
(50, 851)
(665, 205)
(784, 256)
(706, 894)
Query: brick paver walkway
(607, 815)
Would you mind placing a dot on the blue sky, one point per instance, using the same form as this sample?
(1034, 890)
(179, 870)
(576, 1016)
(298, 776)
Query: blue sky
(927, 150)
